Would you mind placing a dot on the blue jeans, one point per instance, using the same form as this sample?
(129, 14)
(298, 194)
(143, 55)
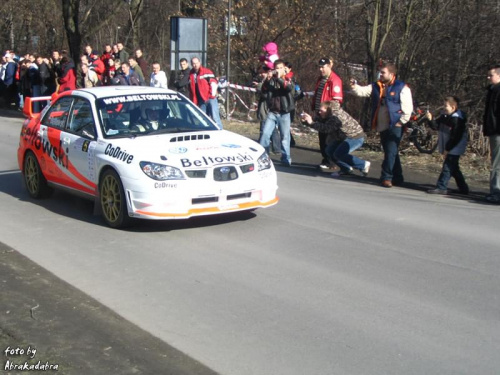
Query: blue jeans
(211, 108)
(340, 153)
(391, 166)
(282, 120)
(452, 169)
(275, 138)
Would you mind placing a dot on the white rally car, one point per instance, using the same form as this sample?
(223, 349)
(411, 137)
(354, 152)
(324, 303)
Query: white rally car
(142, 152)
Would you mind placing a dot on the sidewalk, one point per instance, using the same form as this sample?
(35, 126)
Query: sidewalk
(46, 322)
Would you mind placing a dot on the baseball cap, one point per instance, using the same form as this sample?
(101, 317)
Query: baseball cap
(323, 61)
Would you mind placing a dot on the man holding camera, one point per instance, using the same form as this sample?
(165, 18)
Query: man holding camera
(279, 93)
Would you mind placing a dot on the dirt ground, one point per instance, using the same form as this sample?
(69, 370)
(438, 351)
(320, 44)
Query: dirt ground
(474, 167)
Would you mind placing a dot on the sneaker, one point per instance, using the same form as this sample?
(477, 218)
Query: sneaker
(437, 191)
(492, 198)
(327, 168)
(341, 173)
(366, 169)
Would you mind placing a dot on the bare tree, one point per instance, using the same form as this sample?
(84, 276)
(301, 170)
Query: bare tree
(379, 21)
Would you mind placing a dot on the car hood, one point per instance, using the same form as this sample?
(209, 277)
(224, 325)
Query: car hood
(192, 150)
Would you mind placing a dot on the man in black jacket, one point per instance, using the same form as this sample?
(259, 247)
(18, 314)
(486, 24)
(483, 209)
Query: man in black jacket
(181, 82)
(491, 129)
(279, 93)
(10, 90)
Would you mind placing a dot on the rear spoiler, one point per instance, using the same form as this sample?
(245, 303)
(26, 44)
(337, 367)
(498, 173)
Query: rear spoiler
(28, 104)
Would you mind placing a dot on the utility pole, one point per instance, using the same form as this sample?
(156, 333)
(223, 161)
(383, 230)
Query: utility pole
(228, 55)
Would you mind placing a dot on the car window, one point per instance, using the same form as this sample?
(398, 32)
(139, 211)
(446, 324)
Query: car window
(81, 121)
(144, 114)
(58, 113)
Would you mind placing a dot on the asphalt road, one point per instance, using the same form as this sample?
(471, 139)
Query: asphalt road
(341, 277)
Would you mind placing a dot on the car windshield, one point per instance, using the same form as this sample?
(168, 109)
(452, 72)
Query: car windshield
(145, 114)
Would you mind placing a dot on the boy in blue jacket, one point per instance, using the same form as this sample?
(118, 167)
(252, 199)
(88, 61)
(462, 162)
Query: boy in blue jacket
(452, 143)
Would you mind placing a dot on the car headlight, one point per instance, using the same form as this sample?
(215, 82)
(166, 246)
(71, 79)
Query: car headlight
(161, 172)
(264, 162)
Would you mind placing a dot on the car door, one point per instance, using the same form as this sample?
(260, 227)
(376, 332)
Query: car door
(51, 154)
(79, 142)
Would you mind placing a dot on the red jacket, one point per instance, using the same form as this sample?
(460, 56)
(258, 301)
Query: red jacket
(331, 91)
(105, 58)
(203, 80)
(68, 79)
(98, 67)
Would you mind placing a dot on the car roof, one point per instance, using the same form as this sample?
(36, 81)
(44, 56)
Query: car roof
(107, 91)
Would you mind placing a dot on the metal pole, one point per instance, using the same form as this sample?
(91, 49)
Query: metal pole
(228, 55)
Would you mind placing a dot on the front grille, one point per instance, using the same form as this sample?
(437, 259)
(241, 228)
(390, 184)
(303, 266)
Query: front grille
(196, 174)
(247, 168)
(238, 196)
(225, 174)
(205, 200)
(192, 137)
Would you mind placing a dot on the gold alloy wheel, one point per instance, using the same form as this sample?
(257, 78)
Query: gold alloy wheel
(111, 198)
(32, 175)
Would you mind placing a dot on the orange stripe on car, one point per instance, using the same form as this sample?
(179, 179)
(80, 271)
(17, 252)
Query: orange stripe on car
(209, 210)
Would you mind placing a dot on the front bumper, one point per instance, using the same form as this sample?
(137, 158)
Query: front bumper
(181, 199)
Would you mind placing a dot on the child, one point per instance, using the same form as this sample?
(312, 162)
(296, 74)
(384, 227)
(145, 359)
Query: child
(270, 54)
(452, 143)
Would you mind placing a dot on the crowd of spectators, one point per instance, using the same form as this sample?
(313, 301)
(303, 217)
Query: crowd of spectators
(35, 75)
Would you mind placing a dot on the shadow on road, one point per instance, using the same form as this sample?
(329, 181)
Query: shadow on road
(417, 181)
(70, 206)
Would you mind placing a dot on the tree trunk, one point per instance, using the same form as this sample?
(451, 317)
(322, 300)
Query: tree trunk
(70, 15)
(135, 12)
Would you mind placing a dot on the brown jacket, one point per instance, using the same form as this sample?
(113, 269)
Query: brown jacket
(339, 126)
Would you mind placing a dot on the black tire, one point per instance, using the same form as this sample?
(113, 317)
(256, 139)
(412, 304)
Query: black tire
(113, 200)
(425, 139)
(34, 180)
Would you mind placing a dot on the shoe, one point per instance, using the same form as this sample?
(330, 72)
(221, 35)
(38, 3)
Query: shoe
(492, 198)
(397, 182)
(342, 173)
(286, 163)
(437, 191)
(464, 192)
(386, 184)
(327, 168)
(366, 169)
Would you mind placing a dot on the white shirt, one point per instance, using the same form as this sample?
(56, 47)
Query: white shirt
(159, 80)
